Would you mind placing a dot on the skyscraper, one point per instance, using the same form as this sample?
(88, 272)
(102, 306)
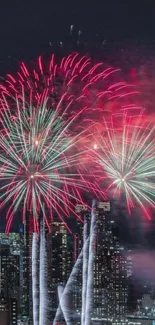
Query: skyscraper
(119, 292)
(60, 246)
(110, 266)
(103, 241)
(4, 312)
(14, 311)
(25, 276)
(129, 263)
(110, 269)
(9, 265)
(10, 246)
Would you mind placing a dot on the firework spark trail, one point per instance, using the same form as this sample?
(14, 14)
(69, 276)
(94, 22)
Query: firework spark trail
(43, 114)
(36, 165)
(60, 293)
(43, 303)
(126, 153)
(35, 282)
(84, 270)
(89, 293)
(65, 304)
(68, 288)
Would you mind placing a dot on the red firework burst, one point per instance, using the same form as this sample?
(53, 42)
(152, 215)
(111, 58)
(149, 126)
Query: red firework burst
(45, 115)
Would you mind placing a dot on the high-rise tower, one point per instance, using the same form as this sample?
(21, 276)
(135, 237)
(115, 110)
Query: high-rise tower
(10, 246)
(60, 246)
(110, 266)
(110, 269)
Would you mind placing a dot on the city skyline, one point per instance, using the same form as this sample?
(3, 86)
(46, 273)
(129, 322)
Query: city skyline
(63, 249)
(139, 232)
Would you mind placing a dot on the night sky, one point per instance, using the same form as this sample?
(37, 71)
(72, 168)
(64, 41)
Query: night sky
(29, 28)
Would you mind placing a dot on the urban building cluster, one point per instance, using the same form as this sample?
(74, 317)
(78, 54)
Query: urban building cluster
(112, 270)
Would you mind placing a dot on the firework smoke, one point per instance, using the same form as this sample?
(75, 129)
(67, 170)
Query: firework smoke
(68, 288)
(90, 272)
(60, 292)
(87, 279)
(125, 156)
(65, 304)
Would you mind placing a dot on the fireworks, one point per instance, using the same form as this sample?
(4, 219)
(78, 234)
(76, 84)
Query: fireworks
(125, 154)
(43, 114)
(38, 161)
(75, 83)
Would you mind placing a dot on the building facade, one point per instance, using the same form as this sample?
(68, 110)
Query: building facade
(60, 250)
(110, 269)
(10, 247)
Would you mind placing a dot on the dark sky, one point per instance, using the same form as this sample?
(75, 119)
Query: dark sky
(27, 26)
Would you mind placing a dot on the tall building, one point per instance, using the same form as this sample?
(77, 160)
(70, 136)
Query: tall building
(24, 271)
(10, 247)
(110, 269)
(119, 292)
(4, 312)
(4, 271)
(101, 273)
(112, 266)
(13, 311)
(26, 304)
(60, 246)
(129, 263)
